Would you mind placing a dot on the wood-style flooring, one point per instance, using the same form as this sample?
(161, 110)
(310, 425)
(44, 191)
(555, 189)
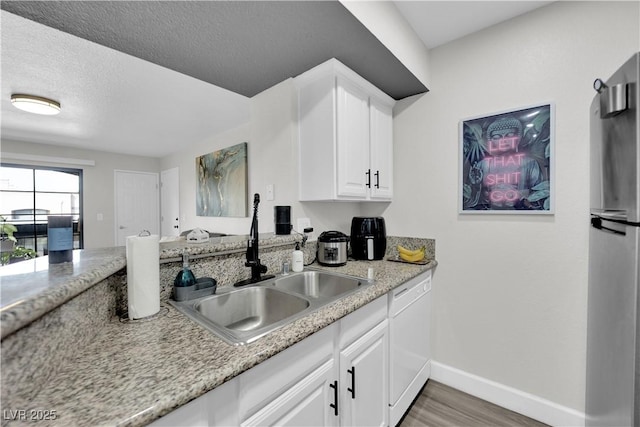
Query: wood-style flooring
(439, 405)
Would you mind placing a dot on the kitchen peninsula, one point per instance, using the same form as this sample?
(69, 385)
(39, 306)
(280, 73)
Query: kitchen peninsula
(70, 355)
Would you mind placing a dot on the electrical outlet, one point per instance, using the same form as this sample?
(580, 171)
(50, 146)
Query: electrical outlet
(305, 223)
(302, 224)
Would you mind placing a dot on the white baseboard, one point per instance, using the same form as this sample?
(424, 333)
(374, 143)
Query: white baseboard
(510, 398)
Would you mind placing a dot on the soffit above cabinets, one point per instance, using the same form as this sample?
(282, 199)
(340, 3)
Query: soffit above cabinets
(242, 46)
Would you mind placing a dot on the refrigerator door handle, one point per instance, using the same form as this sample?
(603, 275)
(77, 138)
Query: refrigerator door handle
(613, 100)
(596, 222)
(619, 217)
(612, 215)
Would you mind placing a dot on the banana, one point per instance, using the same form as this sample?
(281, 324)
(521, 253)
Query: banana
(411, 255)
(403, 250)
(413, 258)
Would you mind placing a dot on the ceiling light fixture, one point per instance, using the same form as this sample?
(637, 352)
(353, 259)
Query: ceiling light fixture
(35, 104)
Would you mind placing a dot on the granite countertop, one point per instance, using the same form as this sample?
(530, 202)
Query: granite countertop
(172, 250)
(135, 372)
(33, 287)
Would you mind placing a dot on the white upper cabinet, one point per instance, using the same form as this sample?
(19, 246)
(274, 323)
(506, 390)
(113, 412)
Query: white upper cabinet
(381, 149)
(352, 117)
(345, 136)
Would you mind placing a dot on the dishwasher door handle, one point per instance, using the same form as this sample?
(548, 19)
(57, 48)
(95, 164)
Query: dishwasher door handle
(399, 294)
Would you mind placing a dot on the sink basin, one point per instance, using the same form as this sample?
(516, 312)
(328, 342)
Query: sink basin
(241, 316)
(250, 309)
(318, 284)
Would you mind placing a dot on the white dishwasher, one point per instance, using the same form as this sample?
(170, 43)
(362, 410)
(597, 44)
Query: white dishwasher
(409, 336)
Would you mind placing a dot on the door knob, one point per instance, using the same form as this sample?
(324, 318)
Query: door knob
(122, 227)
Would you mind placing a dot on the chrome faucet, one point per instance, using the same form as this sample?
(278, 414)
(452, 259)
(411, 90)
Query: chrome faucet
(253, 260)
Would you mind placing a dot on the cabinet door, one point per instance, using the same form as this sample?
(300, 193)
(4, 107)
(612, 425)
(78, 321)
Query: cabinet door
(193, 414)
(352, 118)
(364, 382)
(217, 407)
(381, 137)
(308, 403)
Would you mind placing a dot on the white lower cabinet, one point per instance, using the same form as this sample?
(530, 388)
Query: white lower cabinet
(339, 376)
(327, 393)
(218, 407)
(364, 378)
(193, 414)
(293, 387)
(305, 404)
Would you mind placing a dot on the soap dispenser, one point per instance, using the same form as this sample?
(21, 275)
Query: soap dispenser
(297, 259)
(185, 277)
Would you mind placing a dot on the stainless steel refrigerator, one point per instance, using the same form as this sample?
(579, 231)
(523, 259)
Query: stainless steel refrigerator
(613, 330)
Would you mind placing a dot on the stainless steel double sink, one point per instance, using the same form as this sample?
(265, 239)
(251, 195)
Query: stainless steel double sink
(241, 316)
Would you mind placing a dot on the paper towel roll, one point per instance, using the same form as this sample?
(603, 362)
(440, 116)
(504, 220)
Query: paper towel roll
(143, 275)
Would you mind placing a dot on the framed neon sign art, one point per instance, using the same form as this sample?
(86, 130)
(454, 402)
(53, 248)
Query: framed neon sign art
(506, 162)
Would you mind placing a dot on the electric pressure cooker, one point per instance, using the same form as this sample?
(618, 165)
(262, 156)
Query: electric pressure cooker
(332, 248)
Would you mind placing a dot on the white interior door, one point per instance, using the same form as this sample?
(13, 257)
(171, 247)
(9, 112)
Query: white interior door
(136, 204)
(170, 202)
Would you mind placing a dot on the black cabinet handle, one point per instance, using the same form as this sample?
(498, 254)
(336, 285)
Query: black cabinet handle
(352, 371)
(368, 173)
(334, 405)
(377, 174)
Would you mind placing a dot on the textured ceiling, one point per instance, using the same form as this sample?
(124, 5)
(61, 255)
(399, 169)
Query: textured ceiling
(242, 46)
(110, 101)
(118, 102)
(440, 22)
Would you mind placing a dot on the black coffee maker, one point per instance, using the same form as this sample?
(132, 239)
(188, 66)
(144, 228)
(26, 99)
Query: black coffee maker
(368, 238)
(282, 219)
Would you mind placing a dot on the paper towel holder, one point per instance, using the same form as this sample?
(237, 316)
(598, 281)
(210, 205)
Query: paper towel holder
(124, 317)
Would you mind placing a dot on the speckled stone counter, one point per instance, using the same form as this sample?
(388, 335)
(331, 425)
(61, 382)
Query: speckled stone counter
(31, 288)
(170, 251)
(131, 373)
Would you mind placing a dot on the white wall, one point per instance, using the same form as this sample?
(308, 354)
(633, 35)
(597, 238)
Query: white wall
(510, 292)
(98, 183)
(272, 159)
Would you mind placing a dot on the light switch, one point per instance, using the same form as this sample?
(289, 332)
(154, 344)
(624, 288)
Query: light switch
(100, 217)
(270, 192)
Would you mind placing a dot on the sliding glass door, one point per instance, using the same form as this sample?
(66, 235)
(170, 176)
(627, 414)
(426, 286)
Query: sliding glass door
(30, 194)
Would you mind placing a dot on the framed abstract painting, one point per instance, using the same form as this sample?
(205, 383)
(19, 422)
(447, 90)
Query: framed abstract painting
(221, 179)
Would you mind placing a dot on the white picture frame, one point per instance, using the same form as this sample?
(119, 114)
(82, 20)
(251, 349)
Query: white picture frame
(506, 162)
